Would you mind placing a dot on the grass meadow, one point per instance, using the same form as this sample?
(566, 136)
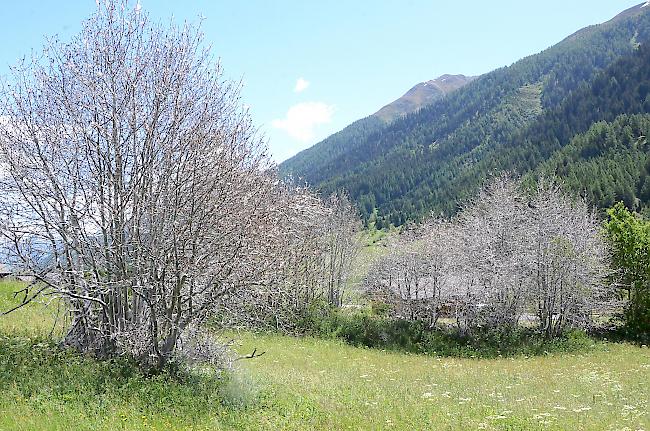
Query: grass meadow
(309, 383)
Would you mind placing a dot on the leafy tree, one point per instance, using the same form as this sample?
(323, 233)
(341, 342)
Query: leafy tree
(629, 236)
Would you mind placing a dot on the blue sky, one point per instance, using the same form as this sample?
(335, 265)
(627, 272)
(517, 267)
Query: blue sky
(312, 67)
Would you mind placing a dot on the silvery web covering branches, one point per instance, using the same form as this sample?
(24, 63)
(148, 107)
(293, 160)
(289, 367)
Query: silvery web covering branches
(568, 261)
(135, 187)
(491, 234)
(319, 243)
(508, 258)
(342, 226)
(414, 278)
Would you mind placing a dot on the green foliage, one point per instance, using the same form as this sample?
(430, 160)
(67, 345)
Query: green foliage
(610, 162)
(363, 329)
(629, 236)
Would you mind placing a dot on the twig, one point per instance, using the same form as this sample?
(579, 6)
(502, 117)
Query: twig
(251, 356)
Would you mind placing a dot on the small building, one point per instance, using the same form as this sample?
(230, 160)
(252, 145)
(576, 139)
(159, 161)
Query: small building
(5, 271)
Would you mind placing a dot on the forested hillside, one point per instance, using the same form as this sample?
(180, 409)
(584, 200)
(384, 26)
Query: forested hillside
(608, 163)
(369, 128)
(521, 118)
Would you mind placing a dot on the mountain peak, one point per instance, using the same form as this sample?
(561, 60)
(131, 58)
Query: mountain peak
(421, 95)
(634, 10)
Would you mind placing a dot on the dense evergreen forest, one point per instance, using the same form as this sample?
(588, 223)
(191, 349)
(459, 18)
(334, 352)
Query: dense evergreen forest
(575, 110)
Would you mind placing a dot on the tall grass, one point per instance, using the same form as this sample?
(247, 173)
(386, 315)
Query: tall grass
(309, 383)
(42, 317)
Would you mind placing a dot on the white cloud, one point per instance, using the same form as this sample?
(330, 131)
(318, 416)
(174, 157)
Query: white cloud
(302, 119)
(301, 85)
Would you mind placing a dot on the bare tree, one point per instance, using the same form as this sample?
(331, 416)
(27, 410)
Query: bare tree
(135, 186)
(507, 254)
(397, 279)
(415, 278)
(541, 254)
(492, 234)
(319, 243)
(342, 227)
(567, 259)
(298, 269)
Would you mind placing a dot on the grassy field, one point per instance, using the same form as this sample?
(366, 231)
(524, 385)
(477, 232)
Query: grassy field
(374, 246)
(301, 384)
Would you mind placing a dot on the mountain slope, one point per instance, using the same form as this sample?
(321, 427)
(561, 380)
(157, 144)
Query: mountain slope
(369, 128)
(421, 95)
(608, 163)
(513, 118)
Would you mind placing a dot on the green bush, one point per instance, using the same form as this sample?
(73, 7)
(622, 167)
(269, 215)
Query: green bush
(629, 237)
(363, 329)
